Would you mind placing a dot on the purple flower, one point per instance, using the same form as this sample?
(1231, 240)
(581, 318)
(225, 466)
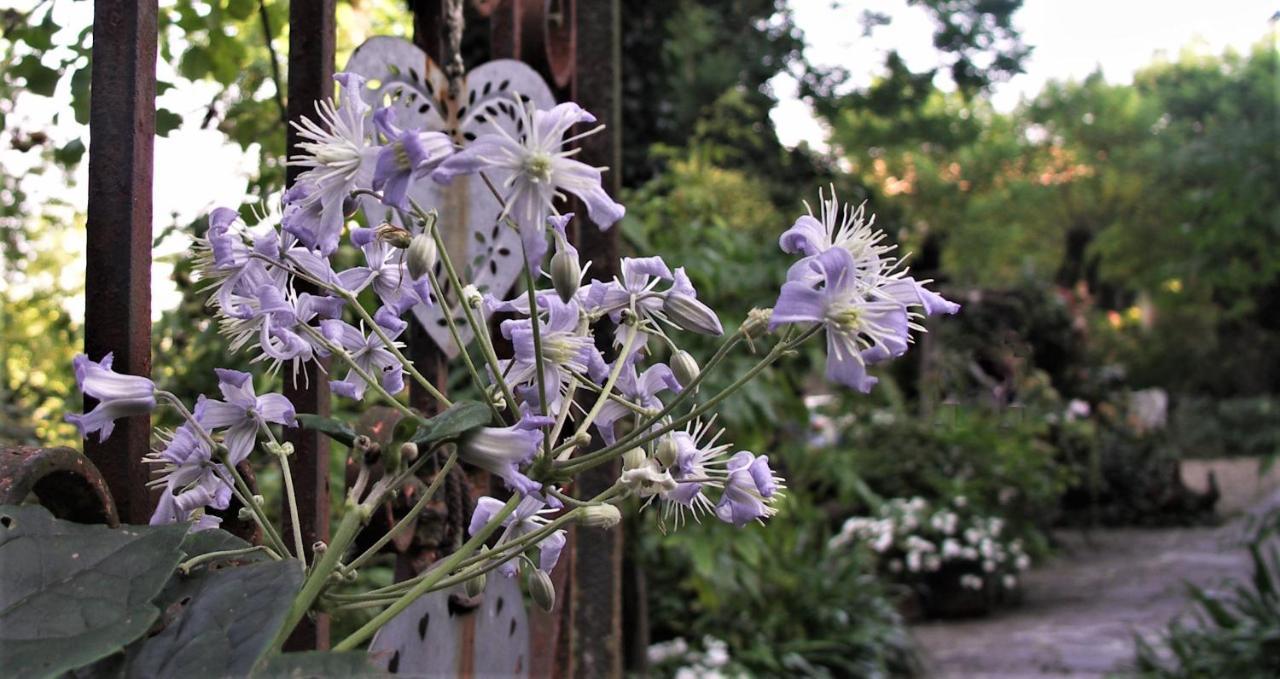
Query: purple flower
(641, 390)
(749, 489)
(636, 290)
(839, 227)
(567, 349)
(243, 412)
(338, 156)
(503, 450)
(385, 269)
(368, 352)
(529, 516)
(537, 172)
(190, 480)
(864, 323)
(408, 155)
(118, 396)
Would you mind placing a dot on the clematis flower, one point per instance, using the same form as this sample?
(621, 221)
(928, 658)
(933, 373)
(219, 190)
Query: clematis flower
(864, 323)
(529, 516)
(503, 450)
(567, 348)
(118, 396)
(696, 461)
(636, 290)
(338, 156)
(190, 480)
(243, 412)
(368, 352)
(385, 269)
(749, 489)
(538, 171)
(271, 319)
(840, 227)
(407, 156)
(641, 390)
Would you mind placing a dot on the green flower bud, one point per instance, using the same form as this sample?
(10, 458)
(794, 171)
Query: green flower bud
(632, 459)
(685, 368)
(668, 451)
(757, 321)
(541, 590)
(475, 586)
(422, 255)
(566, 274)
(600, 516)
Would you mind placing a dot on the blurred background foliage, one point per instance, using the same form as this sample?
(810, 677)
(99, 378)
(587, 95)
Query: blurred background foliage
(1103, 238)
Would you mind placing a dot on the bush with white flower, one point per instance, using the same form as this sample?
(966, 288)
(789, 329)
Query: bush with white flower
(928, 546)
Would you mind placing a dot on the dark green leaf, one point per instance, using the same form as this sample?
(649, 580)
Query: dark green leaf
(196, 63)
(334, 428)
(80, 81)
(70, 154)
(460, 418)
(226, 626)
(166, 121)
(41, 79)
(240, 9)
(72, 593)
(319, 665)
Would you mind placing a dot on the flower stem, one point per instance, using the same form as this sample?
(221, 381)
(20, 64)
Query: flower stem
(408, 518)
(364, 374)
(437, 574)
(633, 331)
(352, 520)
(186, 566)
(290, 497)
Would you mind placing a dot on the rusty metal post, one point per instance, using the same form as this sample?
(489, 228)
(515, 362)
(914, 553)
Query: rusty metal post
(311, 47)
(118, 268)
(597, 562)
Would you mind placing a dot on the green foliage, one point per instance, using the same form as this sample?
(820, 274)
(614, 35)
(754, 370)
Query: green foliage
(783, 601)
(56, 610)
(1203, 427)
(1235, 633)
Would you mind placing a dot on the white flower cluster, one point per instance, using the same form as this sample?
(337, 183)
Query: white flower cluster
(709, 663)
(915, 538)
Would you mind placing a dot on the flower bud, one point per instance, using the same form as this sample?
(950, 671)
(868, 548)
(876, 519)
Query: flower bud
(692, 315)
(566, 274)
(409, 451)
(421, 258)
(668, 451)
(475, 586)
(632, 459)
(541, 590)
(472, 296)
(685, 368)
(600, 516)
(245, 514)
(757, 320)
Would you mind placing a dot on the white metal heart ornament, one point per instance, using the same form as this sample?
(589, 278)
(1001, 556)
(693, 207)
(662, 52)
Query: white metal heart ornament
(400, 75)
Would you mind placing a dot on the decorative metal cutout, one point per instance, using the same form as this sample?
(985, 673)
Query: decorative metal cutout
(443, 634)
(401, 75)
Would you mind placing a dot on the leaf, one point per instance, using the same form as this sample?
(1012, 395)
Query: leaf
(70, 154)
(319, 665)
(166, 121)
(41, 79)
(459, 419)
(72, 593)
(226, 626)
(332, 427)
(240, 9)
(80, 81)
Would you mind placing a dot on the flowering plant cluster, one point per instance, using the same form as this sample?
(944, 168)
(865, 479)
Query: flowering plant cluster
(915, 539)
(554, 406)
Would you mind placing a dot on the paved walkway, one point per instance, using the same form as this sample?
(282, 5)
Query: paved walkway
(1082, 609)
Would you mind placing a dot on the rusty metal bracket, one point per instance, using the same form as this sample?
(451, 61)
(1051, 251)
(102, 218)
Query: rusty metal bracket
(62, 480)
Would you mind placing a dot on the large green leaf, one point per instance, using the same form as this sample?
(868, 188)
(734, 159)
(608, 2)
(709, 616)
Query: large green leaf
(332, 427)
(227, 623)
(319, 665)
(71, 594)
(460, 418)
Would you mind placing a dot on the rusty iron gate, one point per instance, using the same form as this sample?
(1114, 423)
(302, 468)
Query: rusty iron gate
(574, 45)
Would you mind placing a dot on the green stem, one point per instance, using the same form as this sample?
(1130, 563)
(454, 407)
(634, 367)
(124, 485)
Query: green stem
(395, 351)
(364, 374)
(408, 518)
(451, 562)
(352, 520)
(290, 497)
(633, 332)
(457, 341)
(186, 566)
(537, 350)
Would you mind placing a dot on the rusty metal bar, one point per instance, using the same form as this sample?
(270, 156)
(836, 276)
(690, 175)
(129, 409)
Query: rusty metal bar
(118, 268)
(597, 563)
(311, 46)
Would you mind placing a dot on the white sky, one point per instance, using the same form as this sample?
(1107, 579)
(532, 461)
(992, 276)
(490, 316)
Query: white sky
(196, 170)
(1070, 38)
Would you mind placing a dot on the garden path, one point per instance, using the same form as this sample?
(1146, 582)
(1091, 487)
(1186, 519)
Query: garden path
(1081, 610)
